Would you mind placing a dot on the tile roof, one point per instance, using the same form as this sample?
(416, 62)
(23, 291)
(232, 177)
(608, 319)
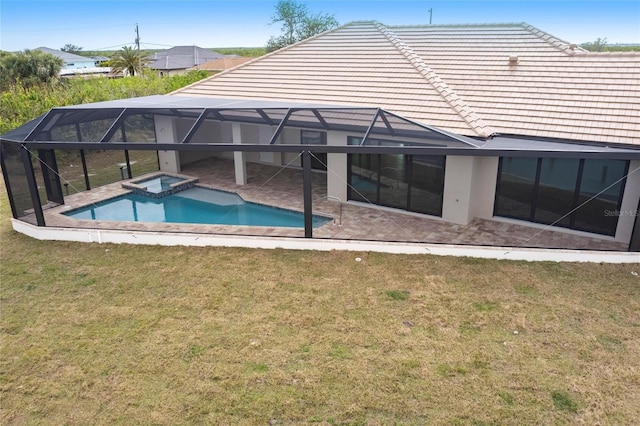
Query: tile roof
(222, 64)
(474, 80)
(65, 56)
(182, 57)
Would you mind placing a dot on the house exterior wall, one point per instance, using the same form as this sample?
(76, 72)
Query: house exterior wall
(209, 131)
(166, 73)
(458, 181)
(290, 136)
(483, 191)
(469, 188)
(166, 133)
(239, 157)
(469, 182)
(250, 134)
(76, 65)
(337, 167)
(264, 137)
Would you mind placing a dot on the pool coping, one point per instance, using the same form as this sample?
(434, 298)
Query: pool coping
(134, 186)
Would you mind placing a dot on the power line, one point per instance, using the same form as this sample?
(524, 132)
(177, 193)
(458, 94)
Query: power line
(156, 44)
(74, 29)
(108, 47)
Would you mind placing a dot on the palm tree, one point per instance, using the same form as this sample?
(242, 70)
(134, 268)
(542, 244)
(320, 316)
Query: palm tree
(128, 61)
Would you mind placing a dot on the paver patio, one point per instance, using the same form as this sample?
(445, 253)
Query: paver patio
(282, 187)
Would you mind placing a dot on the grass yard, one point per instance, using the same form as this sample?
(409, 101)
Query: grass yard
(121, 334)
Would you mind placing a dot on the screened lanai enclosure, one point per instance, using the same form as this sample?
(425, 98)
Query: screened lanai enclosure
(280, 169)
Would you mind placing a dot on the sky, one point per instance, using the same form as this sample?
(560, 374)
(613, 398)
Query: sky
(110, 24)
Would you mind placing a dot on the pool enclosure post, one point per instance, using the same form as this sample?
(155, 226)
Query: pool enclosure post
(634, 243)
(239, 157)
(33, 186)
(49, 168)
(83, 159)
(7, 182)
(128, 163)
(306, 183)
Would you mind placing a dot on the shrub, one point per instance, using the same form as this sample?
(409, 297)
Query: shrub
(21, 103)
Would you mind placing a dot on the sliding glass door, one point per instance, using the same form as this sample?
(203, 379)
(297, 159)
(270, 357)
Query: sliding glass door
(408, 182)
(581, 194)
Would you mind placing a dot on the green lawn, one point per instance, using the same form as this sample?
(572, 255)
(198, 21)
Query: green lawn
(123, 334)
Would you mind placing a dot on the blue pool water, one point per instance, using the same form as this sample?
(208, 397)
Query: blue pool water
(159, 184)
(196, 205)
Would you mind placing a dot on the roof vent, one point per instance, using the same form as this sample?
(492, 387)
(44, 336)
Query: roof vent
(513, 60)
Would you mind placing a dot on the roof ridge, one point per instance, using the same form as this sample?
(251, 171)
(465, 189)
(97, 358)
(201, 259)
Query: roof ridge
(462, 25)
(451, 97)
(562, 45)
(60, 53)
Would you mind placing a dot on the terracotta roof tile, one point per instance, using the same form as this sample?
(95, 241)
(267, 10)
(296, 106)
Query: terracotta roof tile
(458, 78)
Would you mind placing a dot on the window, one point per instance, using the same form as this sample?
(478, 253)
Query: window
(556, 190)
(409, 182)
(516, 187)
(605, 178)
(427, 184)
(312, 137)
(581, 194)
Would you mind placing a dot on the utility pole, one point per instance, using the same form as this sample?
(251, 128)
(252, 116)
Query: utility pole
(138, 46)
(430, 15)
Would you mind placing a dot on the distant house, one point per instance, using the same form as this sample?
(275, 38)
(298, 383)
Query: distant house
(76, 64)
(100, 60)
(179, 59)
(222, 64)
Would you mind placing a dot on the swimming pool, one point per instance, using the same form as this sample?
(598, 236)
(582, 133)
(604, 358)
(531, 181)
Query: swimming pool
(196, 205)
(160, 183)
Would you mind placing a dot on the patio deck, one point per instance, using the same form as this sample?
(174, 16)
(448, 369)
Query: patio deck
(282, 187)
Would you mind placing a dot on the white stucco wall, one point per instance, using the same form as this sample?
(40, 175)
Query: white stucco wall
(97, 236)
(628, 210)
(290, 136)
(208, 132)
(249, 134)
(469, 188)
(458, 179)
(239, 157)
(166, 133)
(337, 167)
(483, 191)
(264, 137)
